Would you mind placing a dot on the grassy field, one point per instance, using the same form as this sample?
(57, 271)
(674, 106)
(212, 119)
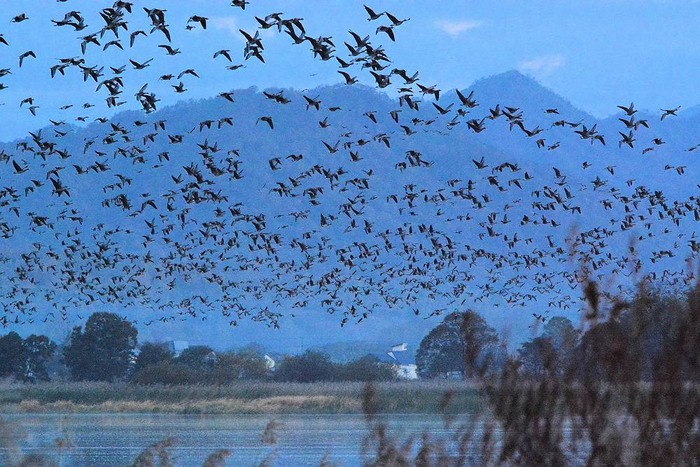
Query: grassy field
(244, 397)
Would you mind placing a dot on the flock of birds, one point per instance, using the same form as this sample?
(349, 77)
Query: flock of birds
(178, 222)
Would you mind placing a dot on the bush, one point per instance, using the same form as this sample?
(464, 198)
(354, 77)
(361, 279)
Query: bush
(315, 366)
(307, 368)
(227, 368)
(197, 357)
(168, 373)
(366, 369)
(152, 353)
(242, 365)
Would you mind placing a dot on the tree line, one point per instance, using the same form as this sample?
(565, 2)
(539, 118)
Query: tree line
(25, 359)
(105, 349)
(636, 338)
(648, 338)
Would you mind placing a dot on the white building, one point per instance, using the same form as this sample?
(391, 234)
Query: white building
(177, 347)
(403, 361)
(408, 371)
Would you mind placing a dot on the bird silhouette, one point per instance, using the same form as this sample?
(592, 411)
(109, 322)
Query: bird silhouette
(380, 218)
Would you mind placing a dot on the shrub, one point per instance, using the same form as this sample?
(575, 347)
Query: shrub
(306, 368)
(366, 369)
(151, 353)
(242, 365)
(168, 373)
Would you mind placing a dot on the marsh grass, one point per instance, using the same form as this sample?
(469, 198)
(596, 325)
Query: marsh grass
(244, 397)
(634, 409)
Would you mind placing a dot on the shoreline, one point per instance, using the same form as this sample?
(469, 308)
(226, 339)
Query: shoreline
(419, 397)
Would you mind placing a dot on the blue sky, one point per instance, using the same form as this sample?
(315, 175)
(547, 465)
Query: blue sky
(595, 53)
(598, 54)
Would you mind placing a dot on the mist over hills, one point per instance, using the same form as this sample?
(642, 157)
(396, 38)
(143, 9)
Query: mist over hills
(240, 233)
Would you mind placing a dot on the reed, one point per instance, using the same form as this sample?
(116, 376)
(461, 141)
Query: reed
(627, 412)
(243, 397)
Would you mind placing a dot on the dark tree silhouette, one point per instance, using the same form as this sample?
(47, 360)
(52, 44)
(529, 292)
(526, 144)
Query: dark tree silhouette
(13, 355)
(103, 351)
(367, 368)
(198, 357)
(245, 364)
(551, 353)
(307, 368)
(152, 353)
(538, 357)
(562, 333)
(462, 343)
(38, 352)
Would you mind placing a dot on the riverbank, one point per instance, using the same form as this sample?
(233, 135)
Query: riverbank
(240, 398)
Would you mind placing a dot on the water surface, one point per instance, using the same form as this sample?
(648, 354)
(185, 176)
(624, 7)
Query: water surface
(117, 439)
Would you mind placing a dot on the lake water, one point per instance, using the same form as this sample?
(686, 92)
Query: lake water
(117, 439)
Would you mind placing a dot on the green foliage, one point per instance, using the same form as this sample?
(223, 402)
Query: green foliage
(242, 365)
(199, 367)
(168, 373)
(238, 397)
(316, 366)
(538, 357)
(366, 369)
(462, 343)
(12, 355)
(25, 359)
(102, 352)
(151, 353)
(197, 356)
(38, 351)
(306, 368)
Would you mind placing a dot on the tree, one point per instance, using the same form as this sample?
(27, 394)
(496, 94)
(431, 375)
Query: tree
(307, 368)
(654, 323)
(167, 372)
(367, 368)
(562, 334)
(462, 343)
(244, 364)
(607, 353)
(538, 357)
(151, 353)
(103, 352)
(13, 356)
(38, 353)
(197, 357)
(551, 353)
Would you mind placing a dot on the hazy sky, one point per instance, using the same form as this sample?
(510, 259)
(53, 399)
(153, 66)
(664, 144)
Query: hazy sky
(596, 53)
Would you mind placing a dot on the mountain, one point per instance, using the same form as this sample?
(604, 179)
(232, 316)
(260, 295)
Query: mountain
(206, 223)
(518, 90)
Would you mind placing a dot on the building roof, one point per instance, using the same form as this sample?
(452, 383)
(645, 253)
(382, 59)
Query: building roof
(397, 358)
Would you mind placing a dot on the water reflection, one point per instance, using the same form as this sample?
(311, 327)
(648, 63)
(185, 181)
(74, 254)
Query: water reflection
(117, 439)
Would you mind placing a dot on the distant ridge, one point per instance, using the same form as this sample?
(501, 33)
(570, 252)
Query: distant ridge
(519, 90)
(448, 151)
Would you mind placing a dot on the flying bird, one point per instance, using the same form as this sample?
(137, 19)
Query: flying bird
(372, 15)
(669, 112)
(198, 19)
(26, 54)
